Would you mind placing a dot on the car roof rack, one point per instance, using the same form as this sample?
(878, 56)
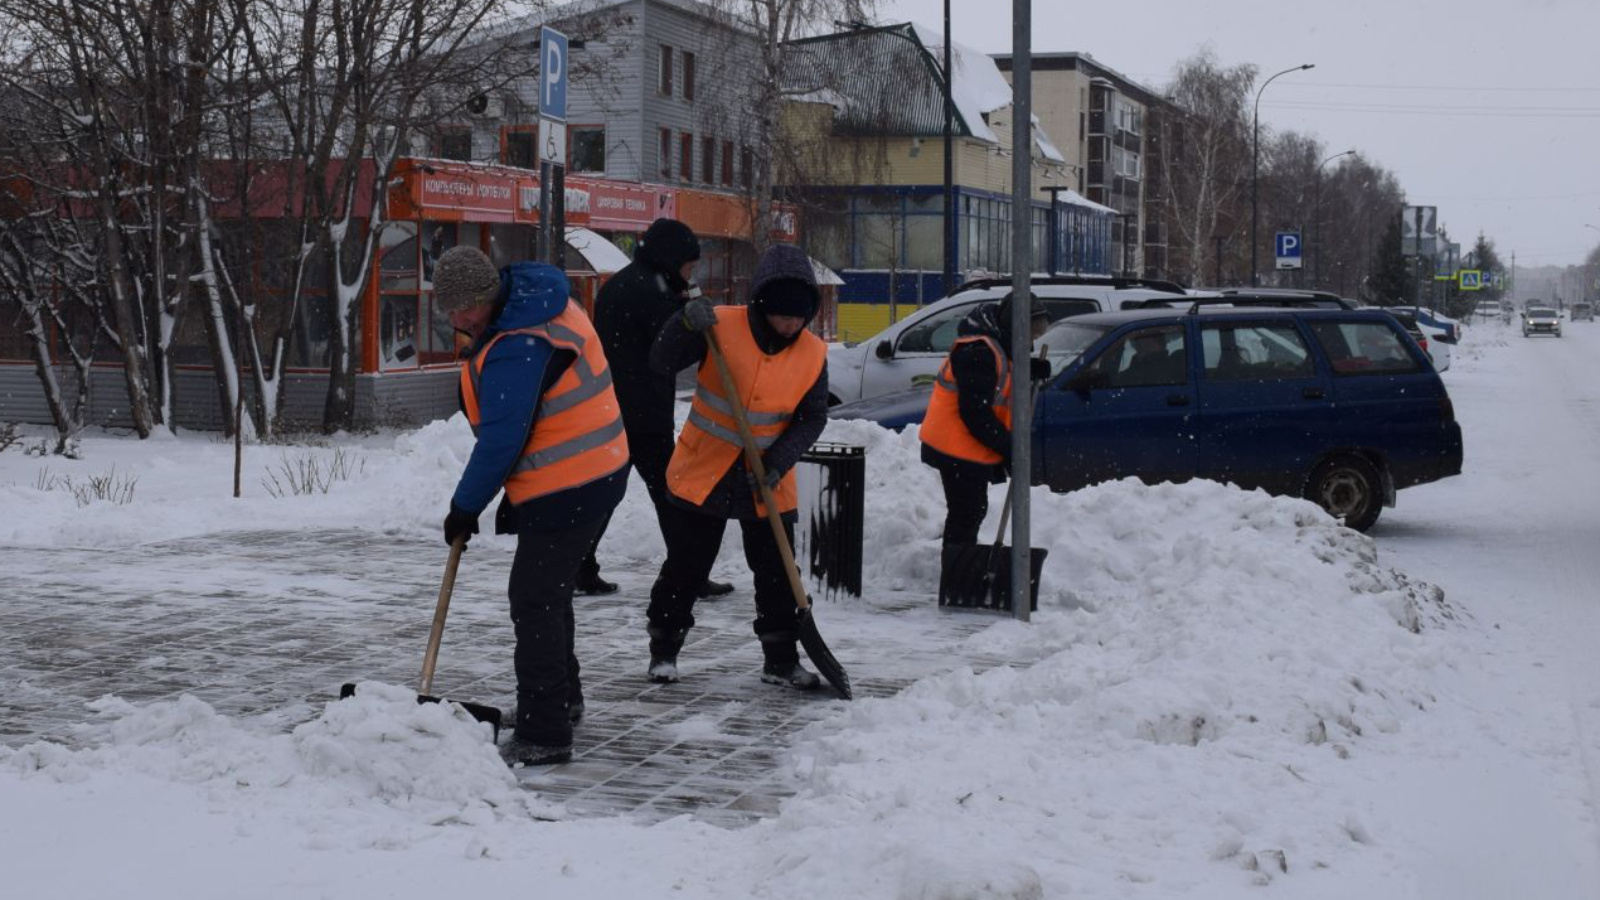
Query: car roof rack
(1286, 301)
(1111, 281)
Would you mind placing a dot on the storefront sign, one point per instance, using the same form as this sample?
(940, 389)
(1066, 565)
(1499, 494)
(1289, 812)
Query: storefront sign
(468, 192)
(626, 207)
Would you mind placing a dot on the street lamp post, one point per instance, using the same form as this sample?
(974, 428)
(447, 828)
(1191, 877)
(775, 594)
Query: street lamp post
(1255, 174)
(1316, 222)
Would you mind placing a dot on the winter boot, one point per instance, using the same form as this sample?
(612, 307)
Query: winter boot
(594, 585)
(713, 589)
(782, 664)
(664, 646)
(575, 710)
(523, 752)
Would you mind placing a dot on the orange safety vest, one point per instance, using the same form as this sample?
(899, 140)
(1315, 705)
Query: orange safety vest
(942, 428)
(577, 434)
(770, 387)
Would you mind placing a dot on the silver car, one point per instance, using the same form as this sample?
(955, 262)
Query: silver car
(1540, 320)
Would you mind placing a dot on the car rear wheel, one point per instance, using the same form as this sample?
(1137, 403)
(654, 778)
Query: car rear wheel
(1349, 488)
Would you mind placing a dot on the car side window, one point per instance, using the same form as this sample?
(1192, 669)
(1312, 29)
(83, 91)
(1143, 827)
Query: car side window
(1255, 352)
(1149, 357)
(1364, 348)
(936, 333)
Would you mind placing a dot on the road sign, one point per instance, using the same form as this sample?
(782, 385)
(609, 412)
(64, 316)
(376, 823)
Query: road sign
(1289, 249)
(552, 141)
(1429, 221)
(1471, 280)
(552, 74)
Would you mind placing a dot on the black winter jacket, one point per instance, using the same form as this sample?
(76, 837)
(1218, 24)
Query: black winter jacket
(628, 313)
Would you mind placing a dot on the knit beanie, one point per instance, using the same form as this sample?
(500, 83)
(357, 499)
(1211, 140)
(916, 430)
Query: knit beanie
(784, 283)
(666, 245)
(464, 277)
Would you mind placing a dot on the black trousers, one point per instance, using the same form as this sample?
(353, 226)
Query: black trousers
(649, 455)
(693, 540)
(546, 659)
(966, 499)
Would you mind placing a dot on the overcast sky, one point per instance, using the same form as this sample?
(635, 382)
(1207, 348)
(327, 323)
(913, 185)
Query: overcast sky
(1488, 110)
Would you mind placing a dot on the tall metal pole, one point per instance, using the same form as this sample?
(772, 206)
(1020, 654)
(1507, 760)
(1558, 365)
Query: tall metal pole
(1316, 224)
(1021, 313)
(1255, 173)
(949, 165)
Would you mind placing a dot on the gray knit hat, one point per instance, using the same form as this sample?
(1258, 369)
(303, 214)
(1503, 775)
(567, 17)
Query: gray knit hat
(464, 277)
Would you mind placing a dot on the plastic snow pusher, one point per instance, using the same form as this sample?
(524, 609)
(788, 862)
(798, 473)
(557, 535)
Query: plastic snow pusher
(810, 638)
(487, 714)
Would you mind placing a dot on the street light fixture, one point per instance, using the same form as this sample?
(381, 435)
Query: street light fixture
(1255, 173)
(1316, 222)
(948, 237)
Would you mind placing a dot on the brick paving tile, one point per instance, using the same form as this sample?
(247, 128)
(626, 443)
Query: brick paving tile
(258, 622)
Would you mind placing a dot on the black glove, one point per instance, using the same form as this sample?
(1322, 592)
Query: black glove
(459, 523)
(699, 315)
(1039, 369)
(773, 477)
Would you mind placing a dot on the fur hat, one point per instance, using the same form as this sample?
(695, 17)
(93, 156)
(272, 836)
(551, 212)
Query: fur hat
(463, 277)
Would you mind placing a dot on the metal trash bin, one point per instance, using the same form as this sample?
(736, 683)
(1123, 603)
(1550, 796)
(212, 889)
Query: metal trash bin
(833, 499)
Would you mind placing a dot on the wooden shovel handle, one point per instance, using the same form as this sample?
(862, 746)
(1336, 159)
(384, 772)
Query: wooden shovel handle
(752, 459)
(425, 684)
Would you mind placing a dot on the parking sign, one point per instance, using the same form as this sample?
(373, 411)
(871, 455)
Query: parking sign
(1289, 249)
(552, 74)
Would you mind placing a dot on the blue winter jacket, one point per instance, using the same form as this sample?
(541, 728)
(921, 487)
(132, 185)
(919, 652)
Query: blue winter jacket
(515, 376)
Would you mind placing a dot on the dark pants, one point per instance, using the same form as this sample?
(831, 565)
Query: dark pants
(693, 540)
(546, 659)
(966, 499)
(649, 455)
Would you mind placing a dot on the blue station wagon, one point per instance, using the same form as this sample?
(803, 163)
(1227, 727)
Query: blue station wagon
(1338, 406)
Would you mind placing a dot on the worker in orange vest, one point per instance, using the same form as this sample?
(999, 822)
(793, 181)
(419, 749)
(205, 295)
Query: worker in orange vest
(781, 374)
(966, 433)
(536, 389)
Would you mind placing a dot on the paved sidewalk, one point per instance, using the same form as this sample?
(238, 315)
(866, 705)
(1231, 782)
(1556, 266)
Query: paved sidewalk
(270, 624)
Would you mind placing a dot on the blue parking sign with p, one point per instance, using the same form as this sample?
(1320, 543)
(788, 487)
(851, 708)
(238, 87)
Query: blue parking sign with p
(552, 74)
(1289, 249)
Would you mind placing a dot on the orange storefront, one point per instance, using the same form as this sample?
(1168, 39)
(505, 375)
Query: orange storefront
(436, 205)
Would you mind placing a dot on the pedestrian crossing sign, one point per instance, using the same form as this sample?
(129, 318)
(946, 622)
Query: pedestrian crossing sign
(1471, 279)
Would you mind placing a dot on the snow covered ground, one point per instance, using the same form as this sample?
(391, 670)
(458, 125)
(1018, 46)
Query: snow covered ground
(1224, 690)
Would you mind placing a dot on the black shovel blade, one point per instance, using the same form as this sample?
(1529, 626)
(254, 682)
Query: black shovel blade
(820, 655)
(978, 576)
(489, 715)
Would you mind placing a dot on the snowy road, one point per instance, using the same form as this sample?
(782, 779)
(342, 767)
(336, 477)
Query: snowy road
(1516, 540)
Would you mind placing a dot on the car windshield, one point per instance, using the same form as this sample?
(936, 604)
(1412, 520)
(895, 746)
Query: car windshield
(1541, 313)
(1067, 341)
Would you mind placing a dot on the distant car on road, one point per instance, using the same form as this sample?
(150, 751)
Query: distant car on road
(1582, 312)
(1337, 406)
(1540, 320)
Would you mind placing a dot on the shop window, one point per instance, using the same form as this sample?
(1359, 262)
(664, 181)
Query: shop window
(397, 331)
(686, 159)
(666, 71)
(308, 345)
(588, 149)
(511, 243)
(727, 163)
(519, 146)
(708, 160)
(455, 143)
(666, 153)
(399, 265)
(688, 76)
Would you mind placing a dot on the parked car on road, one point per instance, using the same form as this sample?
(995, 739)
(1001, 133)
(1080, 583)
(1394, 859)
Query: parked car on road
(1583, 312)
(910, 351)
(1337, 406)
(1540, 320)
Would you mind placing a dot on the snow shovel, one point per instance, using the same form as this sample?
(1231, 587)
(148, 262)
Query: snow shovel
(487, 714)
(810, 638)
(978, 576)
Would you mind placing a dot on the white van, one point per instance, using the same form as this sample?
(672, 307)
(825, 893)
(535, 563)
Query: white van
(910, 351)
